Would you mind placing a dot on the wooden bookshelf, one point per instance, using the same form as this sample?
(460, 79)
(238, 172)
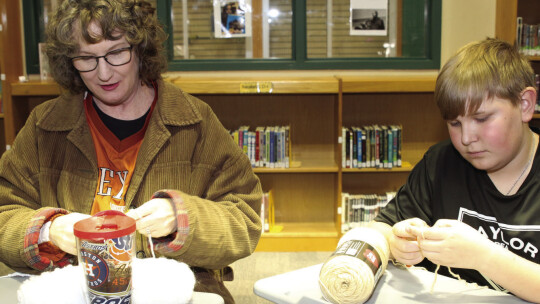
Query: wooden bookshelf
(35, 88)
(307, 195)
(233, 82)
(507, 12)
(392, 99)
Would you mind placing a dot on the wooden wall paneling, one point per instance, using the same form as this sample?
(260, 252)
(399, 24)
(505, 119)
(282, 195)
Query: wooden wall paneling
(12, 66)
(257, 31)
(377, 182)
(505, 14)
(529, 10)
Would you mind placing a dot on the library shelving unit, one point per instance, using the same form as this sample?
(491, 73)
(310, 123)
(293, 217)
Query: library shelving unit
(405, 99)
(306, 194)
(529, 10)
(315, 104)
(507, 12)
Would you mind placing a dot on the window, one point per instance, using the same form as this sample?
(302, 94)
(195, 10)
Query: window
(283, 34)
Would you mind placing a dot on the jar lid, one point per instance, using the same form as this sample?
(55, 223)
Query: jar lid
(108, 224)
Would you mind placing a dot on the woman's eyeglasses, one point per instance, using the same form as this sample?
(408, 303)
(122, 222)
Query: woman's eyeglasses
(115, 58)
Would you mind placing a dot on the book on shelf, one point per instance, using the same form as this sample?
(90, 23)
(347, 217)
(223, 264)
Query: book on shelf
(363, 149)
(268, 146)
(372, 143)
(359, 209)
(265, 205)
(268, 219)
(344, 148)
(372, 146)
(396, 145)
(377, 146)
(384, 152)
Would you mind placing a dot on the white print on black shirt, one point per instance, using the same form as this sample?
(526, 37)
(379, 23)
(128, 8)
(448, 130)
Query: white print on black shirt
(104, 189)
(489, 227)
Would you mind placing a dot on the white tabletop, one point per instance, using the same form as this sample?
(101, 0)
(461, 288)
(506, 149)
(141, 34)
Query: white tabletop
(10, 285)
(397, 285)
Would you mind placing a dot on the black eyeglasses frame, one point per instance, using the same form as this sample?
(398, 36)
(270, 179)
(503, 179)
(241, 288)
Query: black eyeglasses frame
(105, 58)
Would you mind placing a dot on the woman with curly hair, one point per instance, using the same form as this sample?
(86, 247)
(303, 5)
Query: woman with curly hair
(121, 138)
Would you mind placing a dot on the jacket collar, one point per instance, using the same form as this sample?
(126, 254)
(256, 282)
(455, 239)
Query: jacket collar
(175, 107)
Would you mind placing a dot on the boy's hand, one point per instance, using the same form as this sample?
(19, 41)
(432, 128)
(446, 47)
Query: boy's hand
(403, 244)
(454, 244)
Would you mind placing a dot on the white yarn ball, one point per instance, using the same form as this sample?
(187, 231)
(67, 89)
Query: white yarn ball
(161, 281)
(61, 286)
(347, 277)
(158, 280)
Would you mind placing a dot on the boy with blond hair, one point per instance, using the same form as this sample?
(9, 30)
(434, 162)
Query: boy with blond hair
(472, 203)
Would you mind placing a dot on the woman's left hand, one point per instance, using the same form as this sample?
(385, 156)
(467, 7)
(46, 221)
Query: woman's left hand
(453, 243)
(155, 218)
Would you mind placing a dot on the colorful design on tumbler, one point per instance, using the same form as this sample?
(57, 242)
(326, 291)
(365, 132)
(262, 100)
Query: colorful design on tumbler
(120, 249)
(95, 267)
(109, 261)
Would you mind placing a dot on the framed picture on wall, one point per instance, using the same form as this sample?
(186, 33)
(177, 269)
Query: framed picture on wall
(369, 18)
(232, 18)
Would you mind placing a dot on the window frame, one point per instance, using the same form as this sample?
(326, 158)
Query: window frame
(432, 11)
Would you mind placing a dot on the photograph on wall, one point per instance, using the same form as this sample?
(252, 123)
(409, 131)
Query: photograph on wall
(369, 18)
(232, 18)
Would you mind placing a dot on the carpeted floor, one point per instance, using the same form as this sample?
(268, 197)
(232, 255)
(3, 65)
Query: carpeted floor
(265, 264)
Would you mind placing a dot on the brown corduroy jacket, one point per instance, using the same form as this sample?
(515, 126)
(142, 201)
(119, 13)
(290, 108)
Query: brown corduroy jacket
(52, 164)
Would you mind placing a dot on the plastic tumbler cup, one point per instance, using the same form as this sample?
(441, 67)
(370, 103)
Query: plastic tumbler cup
(105, 244)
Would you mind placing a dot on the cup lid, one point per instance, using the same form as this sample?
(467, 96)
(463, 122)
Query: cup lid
(108, 224)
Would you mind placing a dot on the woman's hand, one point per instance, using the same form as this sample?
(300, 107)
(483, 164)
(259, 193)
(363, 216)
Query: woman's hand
(61, 231)
(155, 218)
(403, 244)
(454, 244)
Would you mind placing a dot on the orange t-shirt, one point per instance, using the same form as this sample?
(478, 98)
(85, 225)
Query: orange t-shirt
(115, 158)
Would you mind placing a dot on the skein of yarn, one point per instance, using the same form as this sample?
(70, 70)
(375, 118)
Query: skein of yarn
(350, 274)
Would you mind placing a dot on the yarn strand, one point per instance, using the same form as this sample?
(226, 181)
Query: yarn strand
(151, 243)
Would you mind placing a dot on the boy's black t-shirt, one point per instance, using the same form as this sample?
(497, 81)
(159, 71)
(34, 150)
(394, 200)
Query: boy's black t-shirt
(443, 185)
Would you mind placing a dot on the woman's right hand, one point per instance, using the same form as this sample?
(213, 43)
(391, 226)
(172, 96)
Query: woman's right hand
(61, 232)
(404, 245)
